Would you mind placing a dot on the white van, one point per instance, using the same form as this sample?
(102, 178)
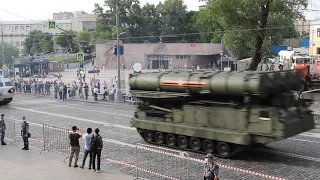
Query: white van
(7, 91)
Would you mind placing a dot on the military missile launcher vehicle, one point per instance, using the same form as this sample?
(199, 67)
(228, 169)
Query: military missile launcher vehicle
(218, 112)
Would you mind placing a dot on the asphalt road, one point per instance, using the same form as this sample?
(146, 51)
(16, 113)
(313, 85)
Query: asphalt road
(294, 158)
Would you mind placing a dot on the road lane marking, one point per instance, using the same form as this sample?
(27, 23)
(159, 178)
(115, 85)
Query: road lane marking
(307, 134)
(295, 139)
(103, 112)
(75, 118)
(52, 106)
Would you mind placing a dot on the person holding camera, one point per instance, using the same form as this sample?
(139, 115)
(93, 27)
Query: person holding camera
(74, 137)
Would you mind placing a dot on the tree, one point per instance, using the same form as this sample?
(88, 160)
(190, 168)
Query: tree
(130, 19)
(85, 39)
(11, 53)
(205, 21)
(167, 18)
(173, 17)
(67, 40)
(248, 23)
(38, 42)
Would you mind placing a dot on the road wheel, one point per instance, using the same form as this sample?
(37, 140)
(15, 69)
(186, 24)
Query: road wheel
(224, 149)
(148, 135)
(182, 141)
(195, 143)
(208, 146)
(171, 139)
(159, 137)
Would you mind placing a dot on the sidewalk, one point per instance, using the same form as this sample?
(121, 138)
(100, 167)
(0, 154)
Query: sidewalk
(77, 98)
(18, 164)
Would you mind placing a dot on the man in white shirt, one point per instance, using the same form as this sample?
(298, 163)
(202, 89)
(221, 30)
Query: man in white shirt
(87, 148)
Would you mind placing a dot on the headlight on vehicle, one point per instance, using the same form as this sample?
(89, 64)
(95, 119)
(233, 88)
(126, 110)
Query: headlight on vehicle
(11, 90)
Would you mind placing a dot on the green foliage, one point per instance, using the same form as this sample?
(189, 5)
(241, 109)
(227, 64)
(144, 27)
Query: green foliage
(84, 38)
(71, 59)
(67, 40)
(247, 24)
(38, 42)
(11, 53)
(167, 18)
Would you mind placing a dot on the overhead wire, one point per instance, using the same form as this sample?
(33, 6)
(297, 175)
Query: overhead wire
(154, 36)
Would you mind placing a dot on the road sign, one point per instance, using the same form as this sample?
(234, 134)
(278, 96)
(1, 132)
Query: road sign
(51, 24)
(4, 67)
(80, 56)
(94, 71)
(115, 50)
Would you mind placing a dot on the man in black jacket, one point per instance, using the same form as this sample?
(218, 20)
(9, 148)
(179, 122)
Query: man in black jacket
(96, 148)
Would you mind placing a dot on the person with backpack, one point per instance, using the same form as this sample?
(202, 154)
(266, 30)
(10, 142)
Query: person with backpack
(87, 148)
(96, 148)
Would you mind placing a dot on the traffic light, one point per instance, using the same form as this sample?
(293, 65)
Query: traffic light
(81, 71)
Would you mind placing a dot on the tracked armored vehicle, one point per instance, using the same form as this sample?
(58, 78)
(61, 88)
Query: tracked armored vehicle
(218, 112)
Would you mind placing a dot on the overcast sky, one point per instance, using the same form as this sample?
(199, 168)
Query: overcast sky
(43, 9)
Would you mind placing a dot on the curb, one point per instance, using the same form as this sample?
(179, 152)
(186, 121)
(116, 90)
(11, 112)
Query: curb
(81, 100)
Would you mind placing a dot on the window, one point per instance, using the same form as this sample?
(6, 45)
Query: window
(22, 28)
(22, 35)
(177, 56)
(7, 84)
(23, 43)
(10, 28)
(16, 28)
(28, 28)
(1, 84)
(318, 32)
(318, 50)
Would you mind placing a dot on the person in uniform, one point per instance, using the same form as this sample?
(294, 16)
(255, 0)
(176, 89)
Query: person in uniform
(2, 130)
(24, 133)
(211, 170)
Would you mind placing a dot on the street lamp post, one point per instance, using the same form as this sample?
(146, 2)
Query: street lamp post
(119, 93)
(2, 45)
(221, 55)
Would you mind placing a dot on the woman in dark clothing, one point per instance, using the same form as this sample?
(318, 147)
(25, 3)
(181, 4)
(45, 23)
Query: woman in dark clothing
(65, 92)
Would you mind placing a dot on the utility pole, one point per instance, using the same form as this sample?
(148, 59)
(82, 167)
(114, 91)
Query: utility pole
(3, 50)
(80, 75)
(119, 94)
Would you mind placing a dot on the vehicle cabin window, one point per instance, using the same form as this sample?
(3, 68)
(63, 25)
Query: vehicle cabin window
(1, 84)
(264, 115)
(8, 84)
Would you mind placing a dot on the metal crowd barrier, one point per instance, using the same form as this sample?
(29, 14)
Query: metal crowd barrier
(56, 139)
(316, 119)
(173, 164)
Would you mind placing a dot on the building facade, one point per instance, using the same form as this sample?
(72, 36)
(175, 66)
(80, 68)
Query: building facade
(302, 26)
(314, 47)
(15, 32)
(160, 55)
(63, 15)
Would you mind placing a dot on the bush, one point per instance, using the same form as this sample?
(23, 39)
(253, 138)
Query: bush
(64, 59)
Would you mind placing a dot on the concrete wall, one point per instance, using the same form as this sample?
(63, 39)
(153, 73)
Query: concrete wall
(201, 53)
